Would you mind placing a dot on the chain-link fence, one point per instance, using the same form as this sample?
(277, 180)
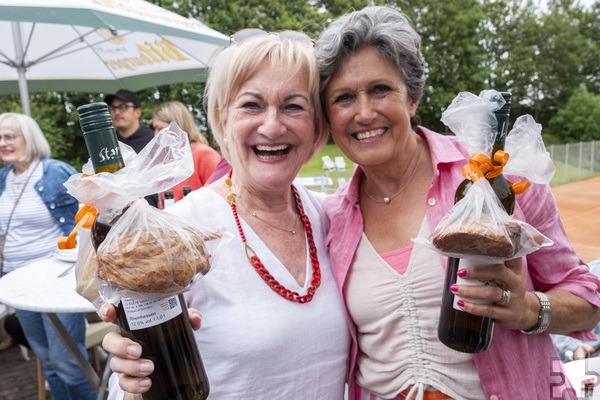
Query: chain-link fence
(575, 161)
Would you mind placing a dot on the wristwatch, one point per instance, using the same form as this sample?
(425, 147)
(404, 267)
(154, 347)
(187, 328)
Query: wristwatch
(543, 316)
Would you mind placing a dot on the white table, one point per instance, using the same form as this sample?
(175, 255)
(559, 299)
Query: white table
(38, 287)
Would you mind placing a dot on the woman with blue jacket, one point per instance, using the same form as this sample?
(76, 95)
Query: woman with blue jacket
(35, 210)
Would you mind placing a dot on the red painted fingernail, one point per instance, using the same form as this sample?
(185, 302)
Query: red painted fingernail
(462, 273)
(460, 303)
(454, 288)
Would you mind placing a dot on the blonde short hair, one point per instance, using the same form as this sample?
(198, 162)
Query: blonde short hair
(237, 63)
(36, 145)
(177, 111)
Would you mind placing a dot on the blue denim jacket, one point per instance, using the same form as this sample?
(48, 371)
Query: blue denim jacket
(62, 206)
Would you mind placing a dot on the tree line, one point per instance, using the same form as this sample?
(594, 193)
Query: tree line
(548, 57)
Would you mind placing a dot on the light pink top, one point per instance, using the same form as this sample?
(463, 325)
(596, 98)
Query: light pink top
(397, 327)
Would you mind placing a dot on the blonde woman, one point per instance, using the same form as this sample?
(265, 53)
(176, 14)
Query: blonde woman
(261, 338)
(205, 157)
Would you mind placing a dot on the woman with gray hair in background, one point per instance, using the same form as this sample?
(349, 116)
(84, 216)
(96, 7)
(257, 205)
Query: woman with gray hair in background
(35, 211)
(372, 79)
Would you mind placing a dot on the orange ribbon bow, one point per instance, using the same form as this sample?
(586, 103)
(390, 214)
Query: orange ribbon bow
(481, 166)
(85, 218)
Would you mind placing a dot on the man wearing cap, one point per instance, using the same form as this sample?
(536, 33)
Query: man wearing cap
(125, 109)
(126, 112)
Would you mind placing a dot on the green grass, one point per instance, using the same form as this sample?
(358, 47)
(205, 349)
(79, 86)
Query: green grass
(315, 168)
(570, 174)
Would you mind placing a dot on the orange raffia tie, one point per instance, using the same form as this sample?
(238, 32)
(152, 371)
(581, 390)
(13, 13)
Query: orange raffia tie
(85, 218)
(481, 166)
(520, 186)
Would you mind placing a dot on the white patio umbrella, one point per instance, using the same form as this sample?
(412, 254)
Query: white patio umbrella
(99, 46)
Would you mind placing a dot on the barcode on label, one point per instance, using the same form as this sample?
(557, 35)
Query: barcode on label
(172, 303)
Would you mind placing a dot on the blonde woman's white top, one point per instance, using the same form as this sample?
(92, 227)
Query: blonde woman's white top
(254, 343)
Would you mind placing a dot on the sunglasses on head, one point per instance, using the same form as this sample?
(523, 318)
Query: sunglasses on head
(242, 36)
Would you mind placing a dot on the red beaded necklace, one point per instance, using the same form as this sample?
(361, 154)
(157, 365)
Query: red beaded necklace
(259, 266)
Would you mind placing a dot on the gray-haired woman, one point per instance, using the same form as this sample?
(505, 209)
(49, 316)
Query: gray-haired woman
(35, 210)
(372, 78)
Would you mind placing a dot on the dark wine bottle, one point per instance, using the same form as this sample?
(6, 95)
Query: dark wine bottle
(458, 329)
(161, 327)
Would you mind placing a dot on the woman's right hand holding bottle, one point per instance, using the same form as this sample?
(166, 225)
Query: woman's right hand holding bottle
(133, 371)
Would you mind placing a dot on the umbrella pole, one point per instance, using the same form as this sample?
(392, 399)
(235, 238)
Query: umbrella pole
(20, 58)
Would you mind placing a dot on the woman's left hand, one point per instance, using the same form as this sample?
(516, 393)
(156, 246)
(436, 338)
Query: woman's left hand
(517, 313)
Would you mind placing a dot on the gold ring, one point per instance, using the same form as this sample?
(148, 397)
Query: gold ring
(505, 298)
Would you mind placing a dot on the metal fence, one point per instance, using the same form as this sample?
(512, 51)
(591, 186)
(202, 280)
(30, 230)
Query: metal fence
(575, 161)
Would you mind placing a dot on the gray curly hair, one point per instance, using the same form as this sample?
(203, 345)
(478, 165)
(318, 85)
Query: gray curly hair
(381, 27)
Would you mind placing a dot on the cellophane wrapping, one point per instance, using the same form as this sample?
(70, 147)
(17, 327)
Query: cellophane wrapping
(461, 233)
(148, 253)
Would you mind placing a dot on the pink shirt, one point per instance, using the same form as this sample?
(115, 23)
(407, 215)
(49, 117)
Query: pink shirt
(516, 366)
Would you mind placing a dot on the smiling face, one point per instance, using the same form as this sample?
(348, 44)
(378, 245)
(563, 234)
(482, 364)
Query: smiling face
(369, 108)
(14, 152)
(270, 129)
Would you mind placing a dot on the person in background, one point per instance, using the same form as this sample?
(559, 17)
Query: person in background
(126, 111)
(570, 348)
(372, 79)
(287, 339)
(220, 170)
(205, 157)
(35, 211)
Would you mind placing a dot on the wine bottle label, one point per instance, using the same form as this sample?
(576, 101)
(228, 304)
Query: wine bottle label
(465, 263)
(103, 148)
(143, 314)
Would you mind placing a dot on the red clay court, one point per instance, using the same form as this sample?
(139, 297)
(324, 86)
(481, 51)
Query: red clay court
(579, 206)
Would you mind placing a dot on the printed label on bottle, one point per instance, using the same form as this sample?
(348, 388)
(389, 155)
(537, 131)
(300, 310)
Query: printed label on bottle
(109, 156)
(103, 148)
(143, 314)
(465, 263)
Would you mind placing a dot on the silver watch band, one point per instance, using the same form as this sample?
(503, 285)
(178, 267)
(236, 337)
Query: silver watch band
(543, 316)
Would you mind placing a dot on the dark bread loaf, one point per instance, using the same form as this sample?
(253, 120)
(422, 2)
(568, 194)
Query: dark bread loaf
(480, 238)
